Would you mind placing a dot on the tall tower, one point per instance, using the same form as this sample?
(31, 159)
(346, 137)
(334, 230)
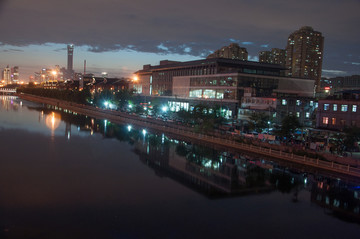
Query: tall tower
(15, 74)
(7, 75)
(70, 49)
(304, 54)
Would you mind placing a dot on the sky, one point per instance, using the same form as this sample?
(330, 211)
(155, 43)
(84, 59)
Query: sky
(120, 36)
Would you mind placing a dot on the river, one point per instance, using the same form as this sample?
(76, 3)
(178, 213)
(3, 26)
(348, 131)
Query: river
(65, 175)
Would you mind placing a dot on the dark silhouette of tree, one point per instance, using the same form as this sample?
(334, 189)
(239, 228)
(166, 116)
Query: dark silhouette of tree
(258, 122)
(352, 135)
(288, 126)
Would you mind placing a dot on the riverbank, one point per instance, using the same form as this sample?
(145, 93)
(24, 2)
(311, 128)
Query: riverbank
(344, 165)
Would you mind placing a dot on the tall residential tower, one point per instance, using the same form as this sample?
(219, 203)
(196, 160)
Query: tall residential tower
(233, 51)
(304, 54)
(275, 56)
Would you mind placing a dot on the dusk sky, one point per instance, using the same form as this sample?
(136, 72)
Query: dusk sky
(120, 36)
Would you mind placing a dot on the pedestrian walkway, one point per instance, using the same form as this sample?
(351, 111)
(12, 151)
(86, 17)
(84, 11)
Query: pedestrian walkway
(340, 165)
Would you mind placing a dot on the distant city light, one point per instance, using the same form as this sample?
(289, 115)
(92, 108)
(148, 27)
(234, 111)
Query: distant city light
(144, 132)
(164, 108)
(129, 127)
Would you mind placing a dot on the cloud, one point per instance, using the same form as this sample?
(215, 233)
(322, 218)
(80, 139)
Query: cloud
(13, 50)
(335, 72)
(60, 49)
(170, 27)
(253, 58)
(352, 63)
(162, 47)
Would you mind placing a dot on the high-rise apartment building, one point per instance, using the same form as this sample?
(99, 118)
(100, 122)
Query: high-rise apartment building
(15, 74)
(275, 56)
(7, 75)
(233, 51)
(265, 56)
(304, 54)
(278, 56)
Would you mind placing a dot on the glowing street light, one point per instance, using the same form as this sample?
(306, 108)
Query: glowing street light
(164, 108)
(54, 73)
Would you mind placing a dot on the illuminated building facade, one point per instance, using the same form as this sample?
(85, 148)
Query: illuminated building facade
(339, 111)
(340, 83)
(15, 74)
(304, 54)
(6, 75)
(217, 81)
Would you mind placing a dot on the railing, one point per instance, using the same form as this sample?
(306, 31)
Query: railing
(185, 132)
(8, 90)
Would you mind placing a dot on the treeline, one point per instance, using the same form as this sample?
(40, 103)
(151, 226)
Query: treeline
(80, 97)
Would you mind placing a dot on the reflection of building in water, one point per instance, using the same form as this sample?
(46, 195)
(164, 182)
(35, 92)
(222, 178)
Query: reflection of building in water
(341, 201)
(214, 174)
(9, 102)
(67, 130)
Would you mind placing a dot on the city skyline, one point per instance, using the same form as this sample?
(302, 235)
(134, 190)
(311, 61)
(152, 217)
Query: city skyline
(121, 37)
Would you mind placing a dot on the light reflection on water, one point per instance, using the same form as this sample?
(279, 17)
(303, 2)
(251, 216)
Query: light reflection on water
(95, 179)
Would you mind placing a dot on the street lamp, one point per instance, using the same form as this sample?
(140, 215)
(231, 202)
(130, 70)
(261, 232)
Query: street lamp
(54, 74)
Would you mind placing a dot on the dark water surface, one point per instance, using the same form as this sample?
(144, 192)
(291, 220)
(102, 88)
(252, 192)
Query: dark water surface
(64, 175)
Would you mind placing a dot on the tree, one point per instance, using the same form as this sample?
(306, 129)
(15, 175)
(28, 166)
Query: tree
(288, 126)
(352, 135)
(123, 97)
(258, 121)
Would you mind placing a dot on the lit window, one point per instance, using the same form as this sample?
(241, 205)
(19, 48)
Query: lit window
(326, 106)
(335, 107)
(344, 108)
(316, 104)
(307, 115)
(311, 103)
(298, 114)
(333, 121)
(325, 120)
(354, 108)
(283, 102)
(298, 102)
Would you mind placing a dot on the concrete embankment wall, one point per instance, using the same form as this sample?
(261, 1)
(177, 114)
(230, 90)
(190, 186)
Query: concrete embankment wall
(189, 134)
